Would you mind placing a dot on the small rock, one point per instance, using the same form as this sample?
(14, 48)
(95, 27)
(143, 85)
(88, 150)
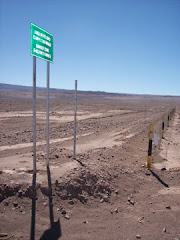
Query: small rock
(85, 222)
(130, 201)
(116, 191)
(56, 183)
(116, 210)
(71, 202)
(168, 207)
(138, 236)
(163, 169)
(164, 229)
(106, 198)
(6, 203)
(15, 204)
(67, 217)
(23, 212)
(56, 156)
(101, 200)
(140, 219)
(63, 211)
(13, 208)
(70, 195)
(20, 193)
(45, 204)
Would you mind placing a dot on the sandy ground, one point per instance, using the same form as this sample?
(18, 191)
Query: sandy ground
(107, 192)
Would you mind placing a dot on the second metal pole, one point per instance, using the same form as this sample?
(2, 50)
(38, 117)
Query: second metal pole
(47, 115)
(34, 115)
(75, 113)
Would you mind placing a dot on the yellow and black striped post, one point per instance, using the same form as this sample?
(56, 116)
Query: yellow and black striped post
(149, 160)
(163, 120)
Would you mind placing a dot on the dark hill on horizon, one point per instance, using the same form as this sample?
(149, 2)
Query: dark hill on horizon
(20, 88)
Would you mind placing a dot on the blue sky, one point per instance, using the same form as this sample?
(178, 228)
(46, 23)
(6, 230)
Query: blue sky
(124, 46)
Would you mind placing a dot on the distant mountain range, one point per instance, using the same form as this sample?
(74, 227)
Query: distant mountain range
(19, 88)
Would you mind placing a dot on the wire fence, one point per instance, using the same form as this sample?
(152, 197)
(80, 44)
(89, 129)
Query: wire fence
(156, 134)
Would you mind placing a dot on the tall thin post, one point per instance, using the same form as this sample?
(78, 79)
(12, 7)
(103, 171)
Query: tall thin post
(149, 160)
(34, 115)
(145, 112)
(75, 113)
(33, 216)
(168, 119)
(47, 115)
(163, 125)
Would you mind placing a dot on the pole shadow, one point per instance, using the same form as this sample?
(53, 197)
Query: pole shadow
(159, 179)
(54, 232)
(79, 161)
(33, 210)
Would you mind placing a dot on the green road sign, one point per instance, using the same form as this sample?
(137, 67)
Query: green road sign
(41, 43)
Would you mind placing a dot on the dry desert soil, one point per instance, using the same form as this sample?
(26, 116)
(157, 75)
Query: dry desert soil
(107, 193)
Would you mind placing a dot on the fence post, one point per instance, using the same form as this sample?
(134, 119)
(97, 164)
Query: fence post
(168, 119)
(163, 119)
(149, 160)
(174, 109)
(170, 114)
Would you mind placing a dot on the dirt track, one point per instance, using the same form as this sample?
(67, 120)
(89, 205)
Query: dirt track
(107, 193)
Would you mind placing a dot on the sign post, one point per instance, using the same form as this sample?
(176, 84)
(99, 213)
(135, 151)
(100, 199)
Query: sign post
(47, 115)
(34, 115)
(41, 47)
(75, 113)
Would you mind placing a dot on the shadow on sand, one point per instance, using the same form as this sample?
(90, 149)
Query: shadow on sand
(54, 232)
(159, 179)
(33, 212)
(79, 161)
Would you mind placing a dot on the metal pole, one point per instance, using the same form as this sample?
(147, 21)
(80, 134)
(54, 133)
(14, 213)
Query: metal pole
(145, 114)
(47, 115)
(75, 113)
(34, 115)
(149, 160)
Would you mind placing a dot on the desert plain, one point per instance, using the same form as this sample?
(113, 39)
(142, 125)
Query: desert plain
(107, 192)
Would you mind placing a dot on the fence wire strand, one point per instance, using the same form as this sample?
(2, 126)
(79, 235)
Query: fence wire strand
(158, 131)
